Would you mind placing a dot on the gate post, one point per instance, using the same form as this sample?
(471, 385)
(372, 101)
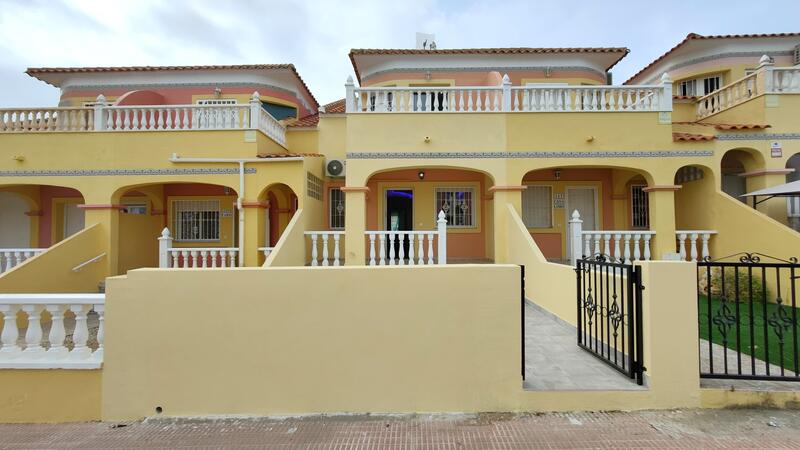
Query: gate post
(576, 237)
(164, 244)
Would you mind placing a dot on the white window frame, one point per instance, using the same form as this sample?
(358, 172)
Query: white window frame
(687, 88)
(205, 233)
(140, 208)
(646, 197)
(331, 218)
(454, 190)
(704, 83)
(530, 188)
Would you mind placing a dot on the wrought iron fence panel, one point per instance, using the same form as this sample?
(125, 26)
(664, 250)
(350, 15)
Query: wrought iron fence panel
(610, 313)
(748, 317)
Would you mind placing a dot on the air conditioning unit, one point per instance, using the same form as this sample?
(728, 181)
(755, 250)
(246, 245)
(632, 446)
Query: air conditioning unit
(335, 168)
(797, 54)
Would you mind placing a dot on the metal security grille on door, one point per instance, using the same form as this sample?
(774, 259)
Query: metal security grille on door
(640, 206)
(537, 207)
(196, 220)
(337, 209)
(457, 206)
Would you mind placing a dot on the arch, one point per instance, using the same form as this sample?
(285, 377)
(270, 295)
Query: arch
(147, 208)
(52, 210)
(692, 200)
(733, 165)
(399, 167)
(282, 205)
(793, 163)
(141, 97)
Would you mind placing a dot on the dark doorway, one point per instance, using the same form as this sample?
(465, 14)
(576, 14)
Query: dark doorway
(399, 215)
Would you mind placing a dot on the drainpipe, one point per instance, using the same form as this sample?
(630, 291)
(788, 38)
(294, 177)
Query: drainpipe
(241, 162)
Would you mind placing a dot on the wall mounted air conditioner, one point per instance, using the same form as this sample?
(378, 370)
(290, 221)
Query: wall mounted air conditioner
(335, 168)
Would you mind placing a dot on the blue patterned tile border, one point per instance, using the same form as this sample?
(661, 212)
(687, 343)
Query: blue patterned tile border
(121, 172)
(757, 136)
(518, 155)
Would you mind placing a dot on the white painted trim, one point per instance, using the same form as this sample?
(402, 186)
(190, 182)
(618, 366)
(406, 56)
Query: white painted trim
(52, 299)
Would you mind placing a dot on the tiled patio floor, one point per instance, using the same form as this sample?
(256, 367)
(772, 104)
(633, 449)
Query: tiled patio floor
(553, 360)
(693, 429)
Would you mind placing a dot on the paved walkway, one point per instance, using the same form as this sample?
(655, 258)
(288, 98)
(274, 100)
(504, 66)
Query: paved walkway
(553, 360)
(694, 429)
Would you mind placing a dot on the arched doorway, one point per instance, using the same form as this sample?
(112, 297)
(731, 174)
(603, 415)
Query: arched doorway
(793, 203)
(734, 165)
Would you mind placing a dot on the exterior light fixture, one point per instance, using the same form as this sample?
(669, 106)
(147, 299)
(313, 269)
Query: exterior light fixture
(428, 75)
(421, 174)
(557, 173)
(217, 92)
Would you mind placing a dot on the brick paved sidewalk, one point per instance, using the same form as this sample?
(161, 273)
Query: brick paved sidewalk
(694, 429)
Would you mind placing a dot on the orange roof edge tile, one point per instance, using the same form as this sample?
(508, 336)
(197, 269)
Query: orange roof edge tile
(683, 137)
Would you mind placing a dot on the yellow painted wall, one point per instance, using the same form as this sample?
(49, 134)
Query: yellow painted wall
(51, 271)
(344, 343)
(50, 396)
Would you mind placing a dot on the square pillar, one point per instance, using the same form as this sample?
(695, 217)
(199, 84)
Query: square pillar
(662, 219)
(355, 224)
(502, 196)
(254, 231)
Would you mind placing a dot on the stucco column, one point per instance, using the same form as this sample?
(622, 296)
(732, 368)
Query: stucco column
(107, 216)
(254, 226)
(662, 219)
(355, 224)
(502, 196)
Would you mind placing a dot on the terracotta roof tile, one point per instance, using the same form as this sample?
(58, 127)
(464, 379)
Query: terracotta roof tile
(682, 137)
(484, 51)
(695, 36)
(312, 120)
(33, 71)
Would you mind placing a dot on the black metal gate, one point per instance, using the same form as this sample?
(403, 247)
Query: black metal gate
(748, 317)
(610, 313)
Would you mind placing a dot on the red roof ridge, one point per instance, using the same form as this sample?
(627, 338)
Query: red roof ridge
(694, 36)
(483, 51)
(32, 71)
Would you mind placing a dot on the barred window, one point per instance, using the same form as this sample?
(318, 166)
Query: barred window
(640, 207)
(314, 184)
(457, 204)
(336, 209)
(537, 210)
(195, 220)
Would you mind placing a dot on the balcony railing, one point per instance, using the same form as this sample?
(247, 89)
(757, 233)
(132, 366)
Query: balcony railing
(144, 118)
(507, 98)
(12, 257)
(766, 80)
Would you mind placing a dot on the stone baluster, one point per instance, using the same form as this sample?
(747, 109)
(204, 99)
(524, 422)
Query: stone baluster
(430, 248)
(682, 245)
(705, 253)
(101, 332)
(617, 254)
(420, 250)
(213, 254)
(336, 256)
(693, 246)
(587, 248)
(325, 249)
(627, 248)
(203, 258)
(647, 246)
(33, 336)
(401, 251)
(391, 249)
(10, 333)
(57, 332)
(81, 334)
(607, 244)
(637, 254)
(314, 253)
(382, 250)
(411, 236)
(194, 263)
(596, 238)
(371, 249)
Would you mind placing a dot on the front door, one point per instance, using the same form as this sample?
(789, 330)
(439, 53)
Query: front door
(399, 215)
(73, 219)
(584, 199)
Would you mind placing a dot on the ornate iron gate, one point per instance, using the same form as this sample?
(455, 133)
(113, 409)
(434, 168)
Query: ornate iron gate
(610, 313)
(748, 317)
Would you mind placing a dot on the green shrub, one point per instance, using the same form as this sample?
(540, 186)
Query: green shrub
(745, 283)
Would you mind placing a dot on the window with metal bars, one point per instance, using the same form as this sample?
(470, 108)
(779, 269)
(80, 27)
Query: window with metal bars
(336, 208)
(457, 204)
(640, 207)
(537, 209)
(195, 220)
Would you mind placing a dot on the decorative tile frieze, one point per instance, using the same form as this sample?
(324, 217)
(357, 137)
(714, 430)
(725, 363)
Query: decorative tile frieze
(122, 172)
(485, 69)
(757, 136)
(542, 154)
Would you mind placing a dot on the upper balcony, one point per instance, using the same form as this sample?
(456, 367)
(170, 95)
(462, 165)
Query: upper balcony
(505, 98)
(144, 118)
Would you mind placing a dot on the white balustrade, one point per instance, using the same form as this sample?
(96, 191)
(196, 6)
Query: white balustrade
(12, 257)
(620, 245)
(63, 342)
(505, 98)
(176, 117)
(688, 240)
(271, 127)
(785, 80)
(266, 251)
(409, 247)
(729, 95)
(321, 252)
(23, 120)
(194, 257)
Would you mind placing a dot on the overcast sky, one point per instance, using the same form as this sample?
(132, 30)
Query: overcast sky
(316, 35)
